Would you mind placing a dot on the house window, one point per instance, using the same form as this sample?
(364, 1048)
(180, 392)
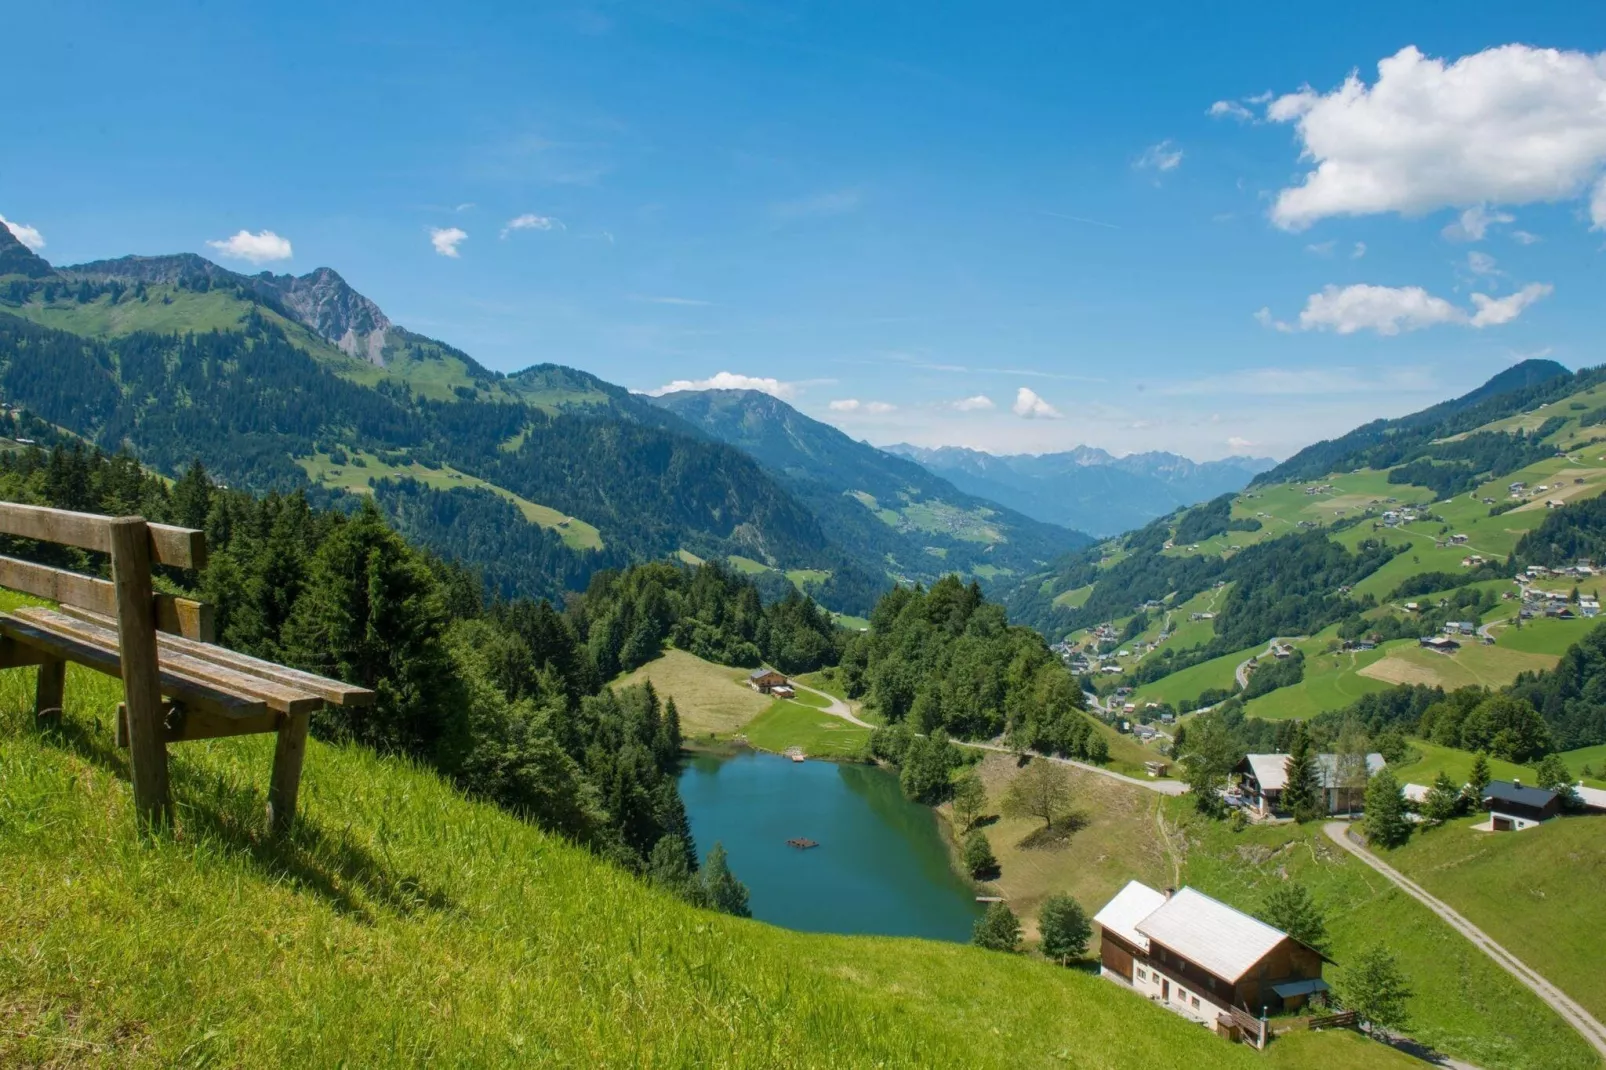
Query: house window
(1195, 1002)
(1141, 975)
(1182, 995)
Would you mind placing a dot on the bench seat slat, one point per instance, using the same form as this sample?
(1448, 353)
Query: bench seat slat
(278, 698)
(194, 693)
(334, 692)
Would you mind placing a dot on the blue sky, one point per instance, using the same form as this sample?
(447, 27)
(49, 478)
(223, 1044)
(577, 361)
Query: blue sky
(1015, 230)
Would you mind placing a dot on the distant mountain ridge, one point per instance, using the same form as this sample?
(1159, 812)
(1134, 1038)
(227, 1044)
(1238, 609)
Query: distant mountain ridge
(920, 522)
(1087, 488)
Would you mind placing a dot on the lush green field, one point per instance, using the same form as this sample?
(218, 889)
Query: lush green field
(818, 734)
(1187, 684)
(1545, 636)
(1456, 763)
(320, 469)
(1332, 681)
(712, 700)
(1594, 757)
(1536, 892)
(402, 925)
(1464, 1004)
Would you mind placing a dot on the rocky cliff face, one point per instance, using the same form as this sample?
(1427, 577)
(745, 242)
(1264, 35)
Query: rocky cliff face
(320, 300)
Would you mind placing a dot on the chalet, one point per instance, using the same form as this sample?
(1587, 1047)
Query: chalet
(1513, 807)
(1589, 607)
(1264, 776)
(1202, 959)
(1458, 539)
(1554, 503)
(1442, 643)
(765, 681)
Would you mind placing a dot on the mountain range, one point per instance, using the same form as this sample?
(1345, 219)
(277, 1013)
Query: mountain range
(1087, 488)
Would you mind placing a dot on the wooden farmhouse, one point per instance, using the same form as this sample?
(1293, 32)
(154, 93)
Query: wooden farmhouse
(1514, 807)
(1263, 777)
(1202, 959)
(765, 681)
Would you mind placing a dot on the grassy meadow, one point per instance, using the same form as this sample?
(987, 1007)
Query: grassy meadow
(818, 734)
(401, 924)
(1533, 892)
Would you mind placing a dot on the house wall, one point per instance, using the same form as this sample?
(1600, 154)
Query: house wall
(1190, 975)
(1178, 991)
(1116, 957)
(1288, 961)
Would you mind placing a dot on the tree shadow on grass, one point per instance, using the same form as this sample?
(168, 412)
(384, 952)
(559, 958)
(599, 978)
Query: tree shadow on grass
(1057, 836)
(218, 808)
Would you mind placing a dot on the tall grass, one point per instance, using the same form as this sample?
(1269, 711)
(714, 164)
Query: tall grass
(402, 924)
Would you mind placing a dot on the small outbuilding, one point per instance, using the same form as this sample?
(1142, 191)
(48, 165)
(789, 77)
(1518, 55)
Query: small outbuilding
(1514, 806)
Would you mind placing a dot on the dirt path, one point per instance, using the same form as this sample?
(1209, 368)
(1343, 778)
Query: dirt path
(1241, 673)
(1162, 787)
(1576, 1016)
(837, 707)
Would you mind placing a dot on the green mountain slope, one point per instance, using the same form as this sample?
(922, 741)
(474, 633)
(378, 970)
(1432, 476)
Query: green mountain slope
(1375, 556)
(402, 924)
(282, 382)
(921, 523)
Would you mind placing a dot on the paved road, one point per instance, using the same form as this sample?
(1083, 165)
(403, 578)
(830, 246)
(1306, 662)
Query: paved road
(1163, 787)
(1241, 673)
(837, 707)
(1576, 1016)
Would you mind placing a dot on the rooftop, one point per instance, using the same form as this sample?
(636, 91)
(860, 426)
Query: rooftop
(1271, 770)
(1520, 794)
(1211, 934)
(1131, 905)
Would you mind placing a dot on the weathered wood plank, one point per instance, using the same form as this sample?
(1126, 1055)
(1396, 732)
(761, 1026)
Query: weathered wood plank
(277, 696)
(288, 755)
(181, 616)
(179, 547)
(130, 549)
(332, 691)
(193, 693)
(14, 655)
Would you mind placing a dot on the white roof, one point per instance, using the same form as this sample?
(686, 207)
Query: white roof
(1415, 793)
(1211, 934)
(1594, 798)
(1131, 905)
(1271, 770)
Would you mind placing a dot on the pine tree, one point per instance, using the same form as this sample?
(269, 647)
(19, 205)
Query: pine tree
(1302, 797)
(725, 893)
(998, 929)
(1289, 907)
(979, 859)
(1385, 811)
(1443, 799)
(1479, 778)
(1064, 927)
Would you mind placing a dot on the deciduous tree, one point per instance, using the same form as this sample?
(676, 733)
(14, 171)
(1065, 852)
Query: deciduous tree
(998, 929)
(1064, 927)
(1374, 987)
(1041, 790)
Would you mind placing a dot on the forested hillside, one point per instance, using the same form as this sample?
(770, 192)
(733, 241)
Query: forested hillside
(922, 524)
(506, 699)
(277, 383)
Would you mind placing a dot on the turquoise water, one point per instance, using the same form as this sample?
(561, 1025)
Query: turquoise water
(881, 866)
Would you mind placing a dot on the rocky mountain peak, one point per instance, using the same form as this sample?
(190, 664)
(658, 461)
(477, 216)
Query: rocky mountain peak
(17, 259)
(325, 303)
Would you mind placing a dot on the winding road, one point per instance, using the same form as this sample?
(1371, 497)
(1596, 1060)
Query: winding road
(1576, 1016)
(837, 707)
(1162, 787)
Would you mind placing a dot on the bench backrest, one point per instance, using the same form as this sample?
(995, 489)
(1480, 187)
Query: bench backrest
(163, 545)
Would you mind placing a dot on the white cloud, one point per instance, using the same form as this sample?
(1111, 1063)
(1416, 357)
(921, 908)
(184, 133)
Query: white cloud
(1237, 443)
(258, 248)
(1475, 222)
(1481, 264)
(447, 239)
(1321, 248)
(976, 403)
(1522, 237)
(530, 221)
(27, 235)
(1162, 157)
(1028, 406)
(1359, 251)
(1230, 109)
(1390, 310)
(1508, 125)
(1492, 312)
(874, 408)
(731, 381)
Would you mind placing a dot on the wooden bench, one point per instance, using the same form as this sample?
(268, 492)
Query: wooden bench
(159, 645)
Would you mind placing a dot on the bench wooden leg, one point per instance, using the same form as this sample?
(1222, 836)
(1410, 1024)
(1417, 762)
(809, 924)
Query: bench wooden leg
(288, 755)
(47, 698)
(136, 633)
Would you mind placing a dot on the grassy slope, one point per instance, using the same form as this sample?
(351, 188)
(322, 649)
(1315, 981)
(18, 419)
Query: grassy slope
(1536, 893)
(1187, 684)
(712, 699)
(402, 924)
(1464, 1004)
(575, 533)
(817, 733)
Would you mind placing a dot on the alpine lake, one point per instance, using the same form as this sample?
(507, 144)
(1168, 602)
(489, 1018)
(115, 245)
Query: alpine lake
(879, 865)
